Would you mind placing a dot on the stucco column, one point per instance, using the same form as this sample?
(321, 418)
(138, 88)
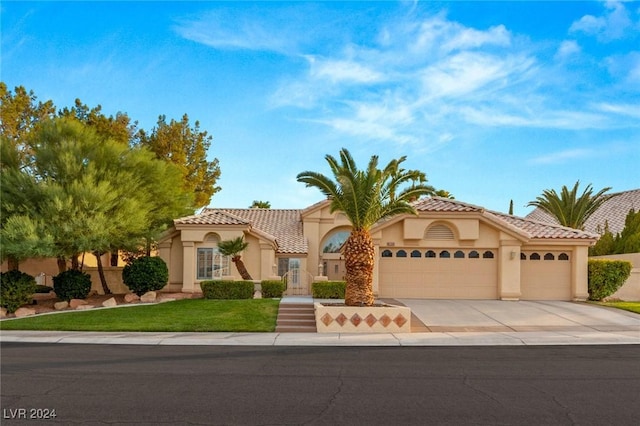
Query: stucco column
(267, 260)
(376, 268)
(188, 266)
(509, 272)
(580, 273)
(164, 252)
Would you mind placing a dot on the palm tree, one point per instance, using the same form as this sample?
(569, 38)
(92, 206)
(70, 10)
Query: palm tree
(365, 197)
(233, 248)
(568, 208)
(257, 204)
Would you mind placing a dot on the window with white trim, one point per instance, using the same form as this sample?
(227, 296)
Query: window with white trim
(211, 265)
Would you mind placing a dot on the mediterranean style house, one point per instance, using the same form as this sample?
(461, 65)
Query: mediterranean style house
(449, 250)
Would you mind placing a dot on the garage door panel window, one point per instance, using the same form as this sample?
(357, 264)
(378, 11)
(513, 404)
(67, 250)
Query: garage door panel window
(445, 254)
(416, 253)
(387, 253)
(458, 254)
(547, 256)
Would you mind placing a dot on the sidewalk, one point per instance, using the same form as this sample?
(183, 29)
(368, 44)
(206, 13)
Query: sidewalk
(477, 338)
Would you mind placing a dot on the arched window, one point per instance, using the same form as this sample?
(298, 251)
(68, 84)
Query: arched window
(474, 255)
(335, 241)
(430, 253)
(416, 253)
(439, 232)
(445, 254)
(563, 256)
(534, 256)
(523, 256)
(387, 253)
(549, 256)
(401, 253)
(487, 255)
(458, 254)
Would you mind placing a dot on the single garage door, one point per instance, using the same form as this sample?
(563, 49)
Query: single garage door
(438, 274)
(545, 275)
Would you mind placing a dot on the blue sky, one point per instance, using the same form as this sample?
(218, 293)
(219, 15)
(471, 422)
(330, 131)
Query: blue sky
(492, 100)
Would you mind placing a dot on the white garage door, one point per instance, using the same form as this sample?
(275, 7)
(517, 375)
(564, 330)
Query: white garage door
(438, 274)
(545, 275)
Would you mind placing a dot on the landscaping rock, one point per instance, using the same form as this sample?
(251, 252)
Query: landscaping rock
(3, 312)
(84, 307)
(166, 299)
(58, 306)
(25, 312)
(110, 303)
(131, 297)
(74, 303)
(148, 297)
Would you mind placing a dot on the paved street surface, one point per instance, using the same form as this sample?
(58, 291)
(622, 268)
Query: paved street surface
(261, 385)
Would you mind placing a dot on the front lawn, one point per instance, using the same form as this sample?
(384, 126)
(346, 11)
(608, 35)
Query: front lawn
(627, 306)
(180, 316)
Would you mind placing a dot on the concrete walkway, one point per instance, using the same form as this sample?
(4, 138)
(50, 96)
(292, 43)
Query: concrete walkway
(445, 323)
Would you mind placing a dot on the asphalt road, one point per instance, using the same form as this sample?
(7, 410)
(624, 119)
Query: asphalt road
(116, 384)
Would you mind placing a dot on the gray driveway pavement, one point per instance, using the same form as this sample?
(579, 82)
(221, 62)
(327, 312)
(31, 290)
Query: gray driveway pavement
(523, 316)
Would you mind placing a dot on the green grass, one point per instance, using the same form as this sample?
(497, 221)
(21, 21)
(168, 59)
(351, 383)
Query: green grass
(627, 306)
(199, 315)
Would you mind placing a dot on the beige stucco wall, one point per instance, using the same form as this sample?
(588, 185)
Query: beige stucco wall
(630, 291)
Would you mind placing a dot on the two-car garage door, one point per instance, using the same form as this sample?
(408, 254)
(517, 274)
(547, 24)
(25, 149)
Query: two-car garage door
(438, 274)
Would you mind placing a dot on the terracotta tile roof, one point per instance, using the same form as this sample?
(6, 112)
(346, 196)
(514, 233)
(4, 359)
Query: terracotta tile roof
(438, 204)
(527, 227)
(544, 230)
(613, 211)
(211, 217)
(285, 226)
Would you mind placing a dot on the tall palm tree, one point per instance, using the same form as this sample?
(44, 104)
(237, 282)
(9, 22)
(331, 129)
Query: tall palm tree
(233, 248)
(568, 208)
(365, 197)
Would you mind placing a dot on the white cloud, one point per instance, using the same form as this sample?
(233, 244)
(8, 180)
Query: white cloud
(629, 110)
(338, 71)
(567, 49)
(612, 25)
(563, 156)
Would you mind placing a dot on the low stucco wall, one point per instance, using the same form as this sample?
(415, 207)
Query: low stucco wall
(630, 291)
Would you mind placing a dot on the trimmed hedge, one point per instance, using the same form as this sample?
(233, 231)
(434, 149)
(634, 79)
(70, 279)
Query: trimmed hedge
(328, 289)
(72, 284)
(227, 289)
(16, 289)
(607, 276)
(272, 289)
(145, 274)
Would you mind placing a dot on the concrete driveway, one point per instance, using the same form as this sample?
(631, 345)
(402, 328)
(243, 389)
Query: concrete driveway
(498, 316)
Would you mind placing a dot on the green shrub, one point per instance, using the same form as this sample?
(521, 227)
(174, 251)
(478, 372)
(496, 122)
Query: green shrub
(43, 289)
(72, 284)
(328, 289)
(227, 289)
(271, 289)
(16, 289)
(606, 276)
(145, 274)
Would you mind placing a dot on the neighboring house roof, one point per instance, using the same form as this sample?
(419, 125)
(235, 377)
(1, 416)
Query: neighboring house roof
(613, 211)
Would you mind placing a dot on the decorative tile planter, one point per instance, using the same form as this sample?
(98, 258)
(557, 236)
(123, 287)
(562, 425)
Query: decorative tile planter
(365, 319)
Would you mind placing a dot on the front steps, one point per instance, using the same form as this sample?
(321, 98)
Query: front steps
(294, 317)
